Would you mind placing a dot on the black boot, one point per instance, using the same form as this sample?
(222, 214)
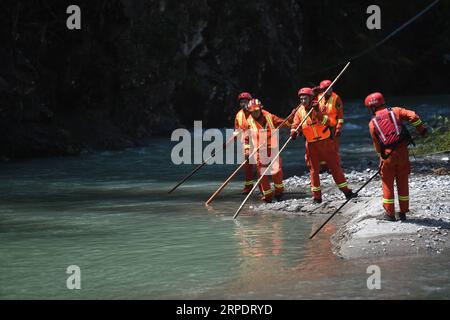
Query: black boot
(387, 217)
(350, 195)
(317, 200)
(279, 197)
(402, 216)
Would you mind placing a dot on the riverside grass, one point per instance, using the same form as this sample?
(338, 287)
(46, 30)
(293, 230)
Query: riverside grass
(438, 140)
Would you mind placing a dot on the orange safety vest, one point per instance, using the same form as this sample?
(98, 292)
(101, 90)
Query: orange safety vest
(240, 120)
(256, 129)
(313, 130)
(331, 107)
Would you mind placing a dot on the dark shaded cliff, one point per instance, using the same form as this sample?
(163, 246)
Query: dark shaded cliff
(142, 68)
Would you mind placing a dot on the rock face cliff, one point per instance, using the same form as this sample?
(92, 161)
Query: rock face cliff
(142, 68)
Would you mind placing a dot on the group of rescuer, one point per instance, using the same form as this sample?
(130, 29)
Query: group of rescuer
(320, 119)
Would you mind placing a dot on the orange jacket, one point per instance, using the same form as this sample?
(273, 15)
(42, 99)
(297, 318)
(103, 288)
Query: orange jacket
(240, 121)
(266, 121)
(334, 108)
(314, 128)
(401, 114)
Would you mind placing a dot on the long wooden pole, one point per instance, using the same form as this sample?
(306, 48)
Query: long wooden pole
(285, 145)
(202, 164)
(339, 209)
(225, 183)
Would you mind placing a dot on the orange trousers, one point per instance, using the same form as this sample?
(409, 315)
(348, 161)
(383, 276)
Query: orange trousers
(397, 167)
(324, 150)
(265, 188)
(248, 172)
(323, 164)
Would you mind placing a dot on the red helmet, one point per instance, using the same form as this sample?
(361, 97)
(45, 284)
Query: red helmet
(244, 95)
(325, 84)
(374, 100)
(254, 105)
(306, 91)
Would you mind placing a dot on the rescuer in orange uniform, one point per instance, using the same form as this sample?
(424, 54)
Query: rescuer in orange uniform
(262, 125)
(333, 107)
(390, 139)
(241, 125)
(319, 146)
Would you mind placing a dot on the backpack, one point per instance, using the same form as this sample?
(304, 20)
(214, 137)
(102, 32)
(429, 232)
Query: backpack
(387, 128)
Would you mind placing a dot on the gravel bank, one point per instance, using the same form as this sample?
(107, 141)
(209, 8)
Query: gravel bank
(426, 230)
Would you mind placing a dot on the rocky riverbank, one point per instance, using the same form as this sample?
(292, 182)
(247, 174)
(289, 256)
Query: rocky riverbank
(362, 234)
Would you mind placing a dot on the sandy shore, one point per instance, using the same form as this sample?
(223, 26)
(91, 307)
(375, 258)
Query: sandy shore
(362, 234)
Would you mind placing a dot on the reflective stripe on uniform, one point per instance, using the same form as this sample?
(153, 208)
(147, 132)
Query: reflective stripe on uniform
(388, 201)
(379, 129)
(330, 103)
(395, 122)
(246, 146)
(248, 183)
(343, 185)
(403, 198)
(315, 189)
(418, 122)
(240, 119)
(269, 120)
(340, 120)
(267, 192)
(325, 119)
(279, 186)
(323, 162)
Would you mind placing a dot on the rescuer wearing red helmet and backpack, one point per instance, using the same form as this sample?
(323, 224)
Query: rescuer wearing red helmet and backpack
(240, 123)
(390, 139)
(319, 146)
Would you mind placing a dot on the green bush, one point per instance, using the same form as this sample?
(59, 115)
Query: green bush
(438, 139)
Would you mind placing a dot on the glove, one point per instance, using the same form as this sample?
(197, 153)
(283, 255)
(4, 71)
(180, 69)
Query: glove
(294, 135)
(337, 133)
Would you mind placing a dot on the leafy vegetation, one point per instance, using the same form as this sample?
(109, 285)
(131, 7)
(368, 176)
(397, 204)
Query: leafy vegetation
(438, 139)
